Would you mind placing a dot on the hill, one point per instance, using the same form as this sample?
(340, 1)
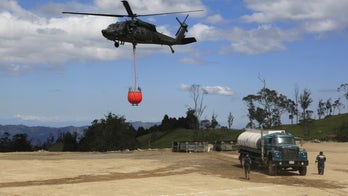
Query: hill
(328, 128)
(331, 128)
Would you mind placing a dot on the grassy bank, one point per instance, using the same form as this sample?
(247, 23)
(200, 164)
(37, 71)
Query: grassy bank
(329, 128)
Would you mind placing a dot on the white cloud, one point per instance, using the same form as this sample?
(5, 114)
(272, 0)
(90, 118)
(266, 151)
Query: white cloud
(147, 7)
(275, 23)
(29, 41)
(212, 90)
(185, 87)
(218, 90)
(315, 16)
(194, 59)
(321, 26)
(264, 39)
(36, 118)
(217, 18)
(203, 32)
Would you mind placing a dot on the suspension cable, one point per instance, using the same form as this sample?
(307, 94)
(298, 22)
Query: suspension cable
(135, 69)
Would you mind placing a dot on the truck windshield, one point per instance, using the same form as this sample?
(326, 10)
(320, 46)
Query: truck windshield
(285, 140)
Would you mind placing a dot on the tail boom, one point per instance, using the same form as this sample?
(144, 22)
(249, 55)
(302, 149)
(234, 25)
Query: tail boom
(188, 40)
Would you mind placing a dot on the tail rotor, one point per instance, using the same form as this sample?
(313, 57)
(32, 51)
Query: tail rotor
(180, 34)
(183, 25)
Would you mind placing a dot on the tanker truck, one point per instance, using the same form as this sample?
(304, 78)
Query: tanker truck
(273, 149)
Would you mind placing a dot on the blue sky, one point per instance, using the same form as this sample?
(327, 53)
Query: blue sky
(58, 70)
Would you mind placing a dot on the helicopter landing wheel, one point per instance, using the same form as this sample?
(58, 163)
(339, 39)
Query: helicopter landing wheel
(117, 44)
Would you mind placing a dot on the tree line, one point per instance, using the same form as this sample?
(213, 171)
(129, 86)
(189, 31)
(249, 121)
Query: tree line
(107, 134)
(17, 142)
(265, 109)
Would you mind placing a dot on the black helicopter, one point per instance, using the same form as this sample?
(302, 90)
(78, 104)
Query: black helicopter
(136, 31)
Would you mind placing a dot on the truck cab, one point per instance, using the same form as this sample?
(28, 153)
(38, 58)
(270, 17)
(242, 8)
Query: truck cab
(281, 152)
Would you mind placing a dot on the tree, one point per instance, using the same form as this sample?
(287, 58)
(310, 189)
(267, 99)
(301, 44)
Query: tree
(191, 119)
(168, 123)
(111, 133)
(305, 101)
(328, 107)
(230, 119)
(141, 131)
(214, 122)
(198, 95)
(292, 110)
(70, 141)
(266, 107)
(321, 109)
(296, 91)
(205, 124)
(344, 89)
(5, 142)
(20, 142)
(337, 105)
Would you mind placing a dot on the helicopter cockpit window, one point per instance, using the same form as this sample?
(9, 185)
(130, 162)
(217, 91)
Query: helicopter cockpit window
(114, 26)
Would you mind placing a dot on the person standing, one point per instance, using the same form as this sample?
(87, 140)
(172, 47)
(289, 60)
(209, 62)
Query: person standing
(247, 166)
(320, 160)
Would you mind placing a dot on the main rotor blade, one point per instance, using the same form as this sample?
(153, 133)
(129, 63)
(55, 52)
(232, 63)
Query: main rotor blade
(130, 13)
(164, 13)
(95, 14)
(129, 9)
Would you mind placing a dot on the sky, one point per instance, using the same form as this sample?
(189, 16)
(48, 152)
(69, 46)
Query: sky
(58, 70)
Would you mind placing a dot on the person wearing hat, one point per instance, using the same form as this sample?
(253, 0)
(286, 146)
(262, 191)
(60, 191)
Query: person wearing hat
(320, 160)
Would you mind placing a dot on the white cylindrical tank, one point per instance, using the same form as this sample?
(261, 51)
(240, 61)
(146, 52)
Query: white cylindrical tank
(252, 137)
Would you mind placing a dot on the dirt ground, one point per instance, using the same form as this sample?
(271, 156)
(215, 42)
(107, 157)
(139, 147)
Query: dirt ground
(162, 172)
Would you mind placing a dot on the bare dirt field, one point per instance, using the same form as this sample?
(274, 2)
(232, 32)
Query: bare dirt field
(162, 172)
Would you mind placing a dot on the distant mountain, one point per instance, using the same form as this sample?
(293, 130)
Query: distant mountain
(39, 134)
(145, 125)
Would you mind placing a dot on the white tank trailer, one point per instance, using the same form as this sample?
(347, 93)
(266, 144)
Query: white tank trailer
(274, 149)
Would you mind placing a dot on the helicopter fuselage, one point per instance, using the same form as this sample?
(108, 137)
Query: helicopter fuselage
(136, 31)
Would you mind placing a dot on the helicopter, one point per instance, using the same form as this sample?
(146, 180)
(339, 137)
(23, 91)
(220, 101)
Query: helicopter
(136, 31)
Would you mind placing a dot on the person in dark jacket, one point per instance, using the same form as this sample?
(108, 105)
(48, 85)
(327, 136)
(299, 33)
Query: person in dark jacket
(320, 160)
(247, 166)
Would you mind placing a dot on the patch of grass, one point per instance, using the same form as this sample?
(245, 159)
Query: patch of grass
(318, 129)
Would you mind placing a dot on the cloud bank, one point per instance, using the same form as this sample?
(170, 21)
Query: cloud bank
(44, 39)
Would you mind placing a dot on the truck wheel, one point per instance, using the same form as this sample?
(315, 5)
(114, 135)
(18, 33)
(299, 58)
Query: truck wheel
(303, 171)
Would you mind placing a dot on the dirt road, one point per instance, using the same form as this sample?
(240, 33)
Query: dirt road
(162, 172)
